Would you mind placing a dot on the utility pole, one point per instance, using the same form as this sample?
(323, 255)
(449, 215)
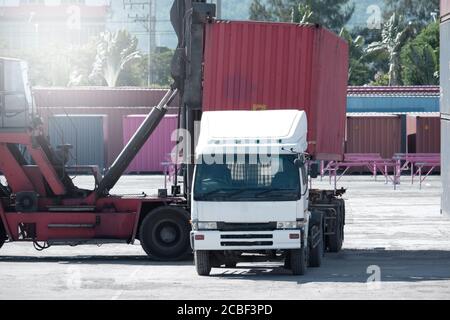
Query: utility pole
(147, 18)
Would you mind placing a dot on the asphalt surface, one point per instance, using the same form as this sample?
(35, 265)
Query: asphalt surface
(396, 240)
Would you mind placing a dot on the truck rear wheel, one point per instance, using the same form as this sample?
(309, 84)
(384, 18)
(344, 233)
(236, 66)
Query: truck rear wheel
(164, 234)
(316, 254)
(299, 261)
(335, 241)
(202, 262)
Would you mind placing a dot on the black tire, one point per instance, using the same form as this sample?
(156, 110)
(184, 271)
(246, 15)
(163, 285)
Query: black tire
(164, 234)
(2, 235)
(336, 240)
(202, 262)
(316, 254)
(299, 261)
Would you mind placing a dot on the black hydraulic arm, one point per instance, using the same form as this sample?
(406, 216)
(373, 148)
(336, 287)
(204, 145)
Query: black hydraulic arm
(135, 144)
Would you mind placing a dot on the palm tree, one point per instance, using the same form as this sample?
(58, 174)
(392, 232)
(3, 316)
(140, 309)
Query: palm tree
(302, 14)
(356, 50)
(114, 51)
(394, 36)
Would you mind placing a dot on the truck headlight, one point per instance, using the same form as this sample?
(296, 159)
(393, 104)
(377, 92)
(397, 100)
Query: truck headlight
(288, 225)
(206, 225)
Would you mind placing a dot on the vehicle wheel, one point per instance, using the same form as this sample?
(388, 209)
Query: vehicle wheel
(202, 262)
(164, 234)
(299, 261)
(2, 235)
(335, 241)
(316, 254)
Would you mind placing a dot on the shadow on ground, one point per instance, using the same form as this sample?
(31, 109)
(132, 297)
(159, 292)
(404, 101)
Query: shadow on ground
(347, 266)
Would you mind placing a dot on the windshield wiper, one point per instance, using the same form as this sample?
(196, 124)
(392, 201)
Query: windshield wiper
(266, 192)
(217, 191)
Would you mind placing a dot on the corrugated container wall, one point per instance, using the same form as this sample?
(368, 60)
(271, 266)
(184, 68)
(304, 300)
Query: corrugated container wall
(445, 10)
(376, 134)
(115, 103)
(445, 67)
(428, 136)
(157, 149)
(445, 105)
(445, 171)
(253, 66)
(86, 134)
(393, 104)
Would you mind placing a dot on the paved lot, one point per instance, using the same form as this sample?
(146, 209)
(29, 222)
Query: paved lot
(399, 233)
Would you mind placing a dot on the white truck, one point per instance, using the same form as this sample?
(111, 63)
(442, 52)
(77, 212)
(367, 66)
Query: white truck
(251, 199)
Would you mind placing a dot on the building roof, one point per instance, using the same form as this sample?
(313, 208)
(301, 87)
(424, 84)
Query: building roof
(394, 91)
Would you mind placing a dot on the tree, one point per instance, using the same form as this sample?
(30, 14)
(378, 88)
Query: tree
(420, 58)
(418, 11)
(395, 34)
(81, 62)
(333, 14)
(360, 72)
(302, 14)
(114, 52)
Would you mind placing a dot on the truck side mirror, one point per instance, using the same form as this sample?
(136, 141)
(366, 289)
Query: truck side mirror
(298, 163)
(314, 170)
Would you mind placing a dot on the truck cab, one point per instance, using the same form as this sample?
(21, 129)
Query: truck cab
(250, 192)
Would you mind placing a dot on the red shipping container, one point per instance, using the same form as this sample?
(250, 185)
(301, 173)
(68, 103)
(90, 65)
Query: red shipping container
(158, 147)
(428, 136)
(445, 9)
(256, 65)
(375, 134)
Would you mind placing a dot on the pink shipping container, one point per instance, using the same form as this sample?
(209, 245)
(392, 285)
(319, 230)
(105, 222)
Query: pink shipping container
(254, 66)
(158, 147)
(376, 134)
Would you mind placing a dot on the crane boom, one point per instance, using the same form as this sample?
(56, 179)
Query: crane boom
(135, 144)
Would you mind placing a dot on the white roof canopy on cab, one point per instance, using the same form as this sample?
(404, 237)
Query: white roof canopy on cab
(249, 130)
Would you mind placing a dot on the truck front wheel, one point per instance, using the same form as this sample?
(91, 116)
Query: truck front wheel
(299, 261)
(202, 262)
(164, 234)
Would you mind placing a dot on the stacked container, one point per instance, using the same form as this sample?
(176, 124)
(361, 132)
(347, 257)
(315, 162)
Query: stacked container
(424, 134)
(87, 135)
(116, 103)
(157, 150)
(383, 134)
(393, 99)
(445, 104)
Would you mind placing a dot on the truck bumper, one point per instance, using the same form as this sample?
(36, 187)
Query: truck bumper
(246, 240)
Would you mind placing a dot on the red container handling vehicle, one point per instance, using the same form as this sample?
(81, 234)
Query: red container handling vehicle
(39, 202)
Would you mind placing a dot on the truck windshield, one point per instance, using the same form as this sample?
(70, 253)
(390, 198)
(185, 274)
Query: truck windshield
(274, 180)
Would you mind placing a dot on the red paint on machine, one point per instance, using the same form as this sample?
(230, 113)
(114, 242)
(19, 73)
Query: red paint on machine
(257, 66)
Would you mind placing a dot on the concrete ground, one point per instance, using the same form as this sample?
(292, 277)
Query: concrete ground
(398, 237)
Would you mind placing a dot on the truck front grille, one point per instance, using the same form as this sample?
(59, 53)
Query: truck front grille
(223, 226)
(246, 236)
